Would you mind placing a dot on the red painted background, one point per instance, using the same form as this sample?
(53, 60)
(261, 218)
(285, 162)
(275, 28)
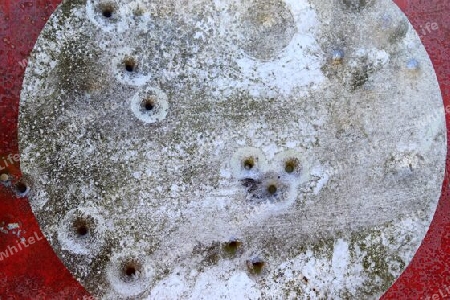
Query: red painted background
(36, 273)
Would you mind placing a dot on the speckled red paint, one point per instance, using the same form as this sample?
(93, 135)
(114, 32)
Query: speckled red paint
(33, 272)
(36, 273)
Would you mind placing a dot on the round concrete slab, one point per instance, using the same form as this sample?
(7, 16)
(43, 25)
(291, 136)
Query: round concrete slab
(228, 149)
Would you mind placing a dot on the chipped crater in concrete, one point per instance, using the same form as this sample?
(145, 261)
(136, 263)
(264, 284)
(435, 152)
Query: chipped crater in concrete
(229, 149)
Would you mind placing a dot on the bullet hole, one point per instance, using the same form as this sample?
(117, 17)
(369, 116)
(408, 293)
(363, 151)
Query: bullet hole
(107, 10)
(289, 168)
(272, 189)
(130, 274)
(249, 163)
(130, 65)
(4, 177)
(248, 159)
(107, 13)
(82, 230)
(232, 246)
(148, 104)
(22, 188)
(255, 265)
(291, 165)
(131, 270)
(81, 227)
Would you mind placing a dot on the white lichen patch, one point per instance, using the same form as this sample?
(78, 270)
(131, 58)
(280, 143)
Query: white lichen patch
(232, 149)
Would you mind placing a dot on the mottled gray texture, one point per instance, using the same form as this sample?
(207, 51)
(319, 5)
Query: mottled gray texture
(239, 94)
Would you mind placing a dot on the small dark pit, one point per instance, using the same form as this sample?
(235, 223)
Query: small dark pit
(291, 166)
(107, 11)
(255, 265)
(131, 270)
(249, 163)
(81, 227)
(21, 187)
(148, 104)
(232, 246)
(130, 65)
(272, 189)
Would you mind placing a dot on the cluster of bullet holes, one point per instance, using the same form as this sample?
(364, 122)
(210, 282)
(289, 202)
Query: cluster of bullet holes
(129, 269)
(230, 249)
(263, 184)
(149, 105)
(107, 16)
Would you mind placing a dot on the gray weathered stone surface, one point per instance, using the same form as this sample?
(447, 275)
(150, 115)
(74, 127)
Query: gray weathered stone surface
(156, 132)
